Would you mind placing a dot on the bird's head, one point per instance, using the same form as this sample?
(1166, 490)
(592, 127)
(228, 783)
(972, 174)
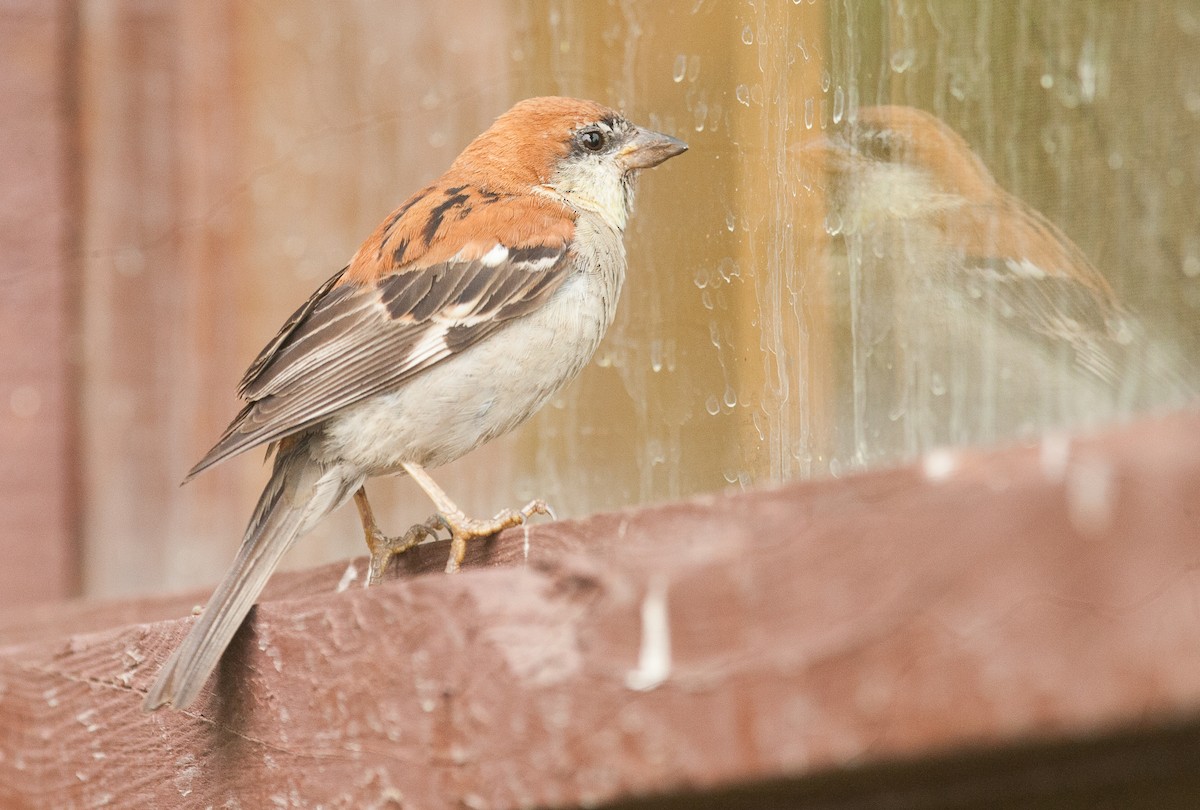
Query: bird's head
(899, 162)
(585, 152)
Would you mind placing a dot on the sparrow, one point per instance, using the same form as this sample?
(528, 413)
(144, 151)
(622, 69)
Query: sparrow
(969, 297)
(458, 318)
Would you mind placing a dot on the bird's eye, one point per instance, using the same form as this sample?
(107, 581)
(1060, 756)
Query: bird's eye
(592, 140)
(882, 146)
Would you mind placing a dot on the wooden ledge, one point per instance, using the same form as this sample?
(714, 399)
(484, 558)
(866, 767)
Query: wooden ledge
(821, 636)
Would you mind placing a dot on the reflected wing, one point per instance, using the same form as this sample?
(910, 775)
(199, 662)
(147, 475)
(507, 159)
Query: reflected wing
(1027, 273)
(1058, 311)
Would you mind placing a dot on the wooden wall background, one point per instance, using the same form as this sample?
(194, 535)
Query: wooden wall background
(39, 528)
(220, 193)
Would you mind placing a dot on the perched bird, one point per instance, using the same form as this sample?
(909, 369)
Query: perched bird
(470, 306)
(973, 316)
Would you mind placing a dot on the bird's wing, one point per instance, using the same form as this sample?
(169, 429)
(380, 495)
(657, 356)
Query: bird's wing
(429, 284)
(1026, 271)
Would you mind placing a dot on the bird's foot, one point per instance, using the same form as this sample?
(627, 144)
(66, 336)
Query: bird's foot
(464, 529)
(383, 548)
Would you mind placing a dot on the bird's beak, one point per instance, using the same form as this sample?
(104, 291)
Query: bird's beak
(825, 153)
(649, 148)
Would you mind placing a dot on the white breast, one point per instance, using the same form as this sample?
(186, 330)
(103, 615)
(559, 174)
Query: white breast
(496, 385)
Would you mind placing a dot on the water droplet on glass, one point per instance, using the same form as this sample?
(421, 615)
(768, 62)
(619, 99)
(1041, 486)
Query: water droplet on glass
(756, 420)
(730, 398)
(839, 104)
(826, 80)
(1087, 80)
(680, 68)
(1049, 145)
(903, 59)
(1047, 81)
(714, 117)
(701, 277)
(937, 385)
(809, 114)
(958, 87)
(747, 35)
(833, 223)
(711, 405)
(743, 94)
(730, 222)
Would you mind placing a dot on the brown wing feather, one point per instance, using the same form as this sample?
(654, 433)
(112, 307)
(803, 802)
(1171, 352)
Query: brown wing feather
(356, 336)
(268, 352)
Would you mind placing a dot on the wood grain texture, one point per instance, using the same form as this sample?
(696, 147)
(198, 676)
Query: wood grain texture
(38, 541)
(979, 600)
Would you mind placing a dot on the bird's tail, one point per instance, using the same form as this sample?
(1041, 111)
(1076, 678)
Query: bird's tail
(301, 492)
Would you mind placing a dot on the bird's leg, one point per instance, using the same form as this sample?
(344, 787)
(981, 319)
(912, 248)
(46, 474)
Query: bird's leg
(382, 547)
(462, 528)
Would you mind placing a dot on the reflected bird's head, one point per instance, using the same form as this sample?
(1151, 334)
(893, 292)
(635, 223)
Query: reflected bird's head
(895, 165)
(906, 180)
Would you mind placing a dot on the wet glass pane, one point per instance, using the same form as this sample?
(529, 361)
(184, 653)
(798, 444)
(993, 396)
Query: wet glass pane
(902, 225)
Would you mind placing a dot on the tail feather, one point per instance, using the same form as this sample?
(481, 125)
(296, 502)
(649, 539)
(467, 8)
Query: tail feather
(298, 495)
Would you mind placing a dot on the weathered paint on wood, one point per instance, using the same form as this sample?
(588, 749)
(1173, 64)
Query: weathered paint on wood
(971, 601)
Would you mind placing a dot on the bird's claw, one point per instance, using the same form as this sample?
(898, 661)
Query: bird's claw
(538, 507)
(383, 548)
(464, 529)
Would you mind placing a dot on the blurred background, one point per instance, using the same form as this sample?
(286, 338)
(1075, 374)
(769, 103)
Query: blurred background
(817, 287)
